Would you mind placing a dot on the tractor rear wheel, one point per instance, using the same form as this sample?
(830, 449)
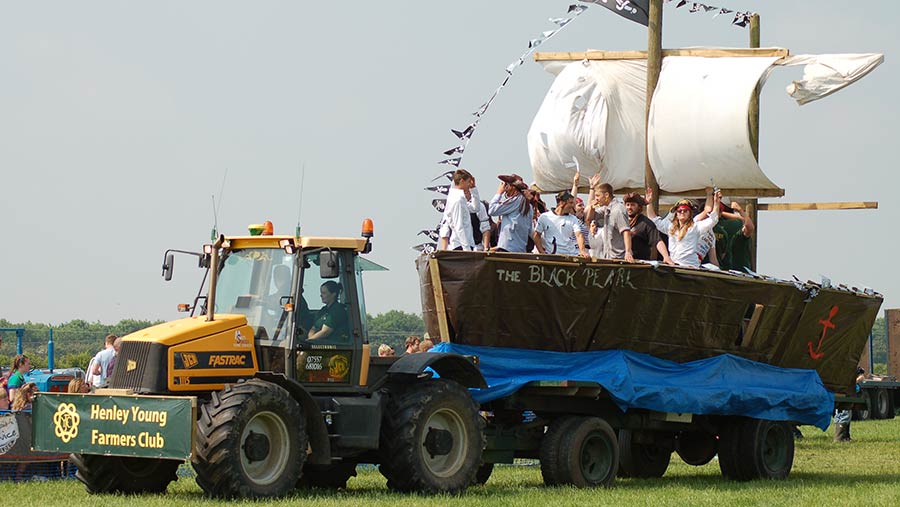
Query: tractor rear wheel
(431, 437)
(250, 442)
(552, 469)
(117, 474)
(641, 460)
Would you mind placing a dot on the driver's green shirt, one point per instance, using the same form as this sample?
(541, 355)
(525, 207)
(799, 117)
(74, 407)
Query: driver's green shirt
(335, 317)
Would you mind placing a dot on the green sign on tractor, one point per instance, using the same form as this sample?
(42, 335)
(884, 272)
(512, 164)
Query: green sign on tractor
(147, 427)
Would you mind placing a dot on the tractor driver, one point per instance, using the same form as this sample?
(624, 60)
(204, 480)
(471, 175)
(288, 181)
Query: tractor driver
(331, 319)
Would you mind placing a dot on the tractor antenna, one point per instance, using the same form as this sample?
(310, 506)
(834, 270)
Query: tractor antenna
(215, 229)
(217, 206)
(300, 200)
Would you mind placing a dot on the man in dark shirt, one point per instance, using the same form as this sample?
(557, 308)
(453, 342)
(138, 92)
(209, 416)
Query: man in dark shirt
(734, 234)
(644, 234)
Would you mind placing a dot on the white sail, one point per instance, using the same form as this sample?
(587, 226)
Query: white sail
(698, 133)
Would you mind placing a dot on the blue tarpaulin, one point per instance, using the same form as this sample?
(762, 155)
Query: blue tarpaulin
(721, 385)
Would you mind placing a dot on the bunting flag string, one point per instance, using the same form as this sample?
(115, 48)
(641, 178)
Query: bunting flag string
(741, 19)
(441, 189)
(463, 136)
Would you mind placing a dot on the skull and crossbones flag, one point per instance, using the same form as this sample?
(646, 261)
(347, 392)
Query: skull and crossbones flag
(635, 10)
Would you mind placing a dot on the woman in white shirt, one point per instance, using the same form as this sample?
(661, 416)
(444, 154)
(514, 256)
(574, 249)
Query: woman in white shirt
(684, 233)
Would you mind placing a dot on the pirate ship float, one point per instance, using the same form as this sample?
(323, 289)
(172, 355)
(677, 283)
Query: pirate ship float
(700, 127)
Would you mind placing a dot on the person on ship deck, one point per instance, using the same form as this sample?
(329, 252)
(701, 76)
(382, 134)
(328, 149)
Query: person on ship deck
(684, 232)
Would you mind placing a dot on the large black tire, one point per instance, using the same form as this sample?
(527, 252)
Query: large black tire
(552, 469)
(250, 442)
(327, 476)
(756, 449)
(484, 473)
(589, 453)
(431, 437)
(882, 405)
(696, 448)
(641, 460)
(117, 474)
(729, 449)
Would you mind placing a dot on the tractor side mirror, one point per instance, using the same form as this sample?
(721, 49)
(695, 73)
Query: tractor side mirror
(328, 265)
(168, 266)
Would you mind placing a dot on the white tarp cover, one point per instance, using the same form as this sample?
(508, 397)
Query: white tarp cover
(594, 112)
(699, 135)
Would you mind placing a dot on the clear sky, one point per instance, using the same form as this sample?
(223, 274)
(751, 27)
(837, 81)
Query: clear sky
(118, 121)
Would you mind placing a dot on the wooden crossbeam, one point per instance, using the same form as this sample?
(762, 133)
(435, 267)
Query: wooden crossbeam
(596, 54)
(809, 206)
(701, 192)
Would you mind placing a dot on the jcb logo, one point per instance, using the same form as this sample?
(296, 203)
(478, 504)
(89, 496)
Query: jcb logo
(131, 365)
(189, 359)
(217, 360)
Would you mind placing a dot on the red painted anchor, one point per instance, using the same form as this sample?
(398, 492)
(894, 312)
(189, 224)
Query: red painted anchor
(826, 325)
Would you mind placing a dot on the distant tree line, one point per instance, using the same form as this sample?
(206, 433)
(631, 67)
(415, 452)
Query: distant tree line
(77, 341)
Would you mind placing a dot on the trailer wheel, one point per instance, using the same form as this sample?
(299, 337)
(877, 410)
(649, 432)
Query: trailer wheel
(882, 406)
(696, 448)
(641, 460)
(864, 414)
(589, 453)
(767, 449)
(756, 449)
(333, 476)
(117, 474)
(552, 469)
(250, 441)
(728, 449)
(431, 437)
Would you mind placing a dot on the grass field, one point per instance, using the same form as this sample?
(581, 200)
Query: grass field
(865, 472)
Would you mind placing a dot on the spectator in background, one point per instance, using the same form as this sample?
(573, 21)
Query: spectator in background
(426, 345)
(21, 365)
(412, 344)
(4, 399)
(112, 364)
(78, 386)
(99, 365)
(385, 350)
(24, 396)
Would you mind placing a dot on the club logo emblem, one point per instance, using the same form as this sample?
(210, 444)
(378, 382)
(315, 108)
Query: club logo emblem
(65, 422)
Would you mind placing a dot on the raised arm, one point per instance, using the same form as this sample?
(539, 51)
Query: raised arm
(589, 210)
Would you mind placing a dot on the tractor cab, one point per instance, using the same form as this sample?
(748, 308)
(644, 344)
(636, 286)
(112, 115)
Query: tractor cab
(302, 298)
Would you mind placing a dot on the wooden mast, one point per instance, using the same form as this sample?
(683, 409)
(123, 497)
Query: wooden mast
(654, 64)
(753, 208)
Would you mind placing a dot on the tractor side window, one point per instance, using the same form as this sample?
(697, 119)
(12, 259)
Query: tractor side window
(324, 315)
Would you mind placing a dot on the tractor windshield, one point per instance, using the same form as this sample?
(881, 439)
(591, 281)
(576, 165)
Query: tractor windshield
(256, 282)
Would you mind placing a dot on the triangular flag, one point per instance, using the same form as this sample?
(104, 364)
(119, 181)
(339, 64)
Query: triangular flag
(426, 248)
(681, 4)
(452, 161)
(455, 150)
(439, 204)
(441, 189)
(448, 175)
(695, 7)
(433, 235)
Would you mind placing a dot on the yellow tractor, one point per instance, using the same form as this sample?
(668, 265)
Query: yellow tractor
(286, 393)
